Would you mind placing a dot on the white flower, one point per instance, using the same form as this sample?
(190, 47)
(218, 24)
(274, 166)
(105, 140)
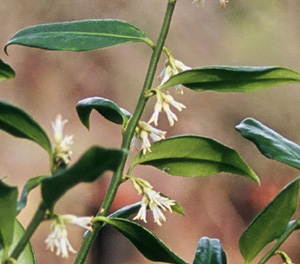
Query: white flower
(156, 204)
(142, 132)
(58, 237)
(84, 221)
(62, 146)
(172, 67)
(163, 104)
(222, 2)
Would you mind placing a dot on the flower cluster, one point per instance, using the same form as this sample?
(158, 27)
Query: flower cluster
(62, 150)
(58, 237)
(172, 67)
(152, 200)
(163, 104)
(142, 133)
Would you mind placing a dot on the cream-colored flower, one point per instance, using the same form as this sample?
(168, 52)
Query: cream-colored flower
(142, 133)
(156, 204)
(62, 147)
(172, 67)
(163, 104)
(58, 237)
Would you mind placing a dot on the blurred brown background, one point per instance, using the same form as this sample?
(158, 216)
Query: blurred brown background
(250, 33)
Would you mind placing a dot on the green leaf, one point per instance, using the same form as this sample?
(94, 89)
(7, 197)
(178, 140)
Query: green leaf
(29, 186)
(270, 223)
(210, 251)
(8, 213)
(270, 143)
(18, 123)
(144, 240)
(88, 168)
(27, 256)
(78, 35)
(104, 107)
(194, 156)
(6, 72)
(233, 78)
(126, 211)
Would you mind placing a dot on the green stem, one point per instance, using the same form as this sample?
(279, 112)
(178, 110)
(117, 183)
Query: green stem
(279, 242)
(36, 220)
(117, 177)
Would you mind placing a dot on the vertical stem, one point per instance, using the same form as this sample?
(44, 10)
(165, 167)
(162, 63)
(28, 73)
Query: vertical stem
(117, 177)
(36, 220)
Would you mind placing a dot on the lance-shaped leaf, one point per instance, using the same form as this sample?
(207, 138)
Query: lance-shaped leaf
(270, 223)
(104, 107)
(194, 156)
(144, 240)
(8, 213)
(29, 186)
(233, 78)
(78, 35)
(6, 72)
(88, 168)
(18, 123)
(270, 143)
(210, 251)
(27, 256)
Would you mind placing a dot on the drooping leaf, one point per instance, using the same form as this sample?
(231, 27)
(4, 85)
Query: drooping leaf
(233, 78)
(27, 256)
(270, 143)
(210, 251)
(104, 107)
(144, 240)
(18, 123)
(8, 213)
(6, 72)
(88, 168)
(270, 223)
(194, 156)
(78, 35)
(29, 186)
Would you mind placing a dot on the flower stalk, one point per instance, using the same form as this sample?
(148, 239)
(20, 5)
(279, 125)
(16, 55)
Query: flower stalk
(128, 134)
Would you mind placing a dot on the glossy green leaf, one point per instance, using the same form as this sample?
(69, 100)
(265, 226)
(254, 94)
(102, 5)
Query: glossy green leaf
(6, 72)
(8, 213)
(18, 123)
(144, 240)
(78, 35)
(270, 143)
(29, 186)
(270, 223)
(104, 107)
(233, 78)
(194, 156)
(88, 168)
(210, 251)
(27, 256)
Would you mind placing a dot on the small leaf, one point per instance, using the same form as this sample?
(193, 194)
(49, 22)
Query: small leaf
(270, 223)
(88, 168)
(270, 143)
(104, 107)
(78, 35)
(233, 78)
(194, 156)
(8, 213)
(18, 123)
(29, 186)
(27, 256)
(144, 240)
(210, 251)
(126, 211)
(6, 72)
